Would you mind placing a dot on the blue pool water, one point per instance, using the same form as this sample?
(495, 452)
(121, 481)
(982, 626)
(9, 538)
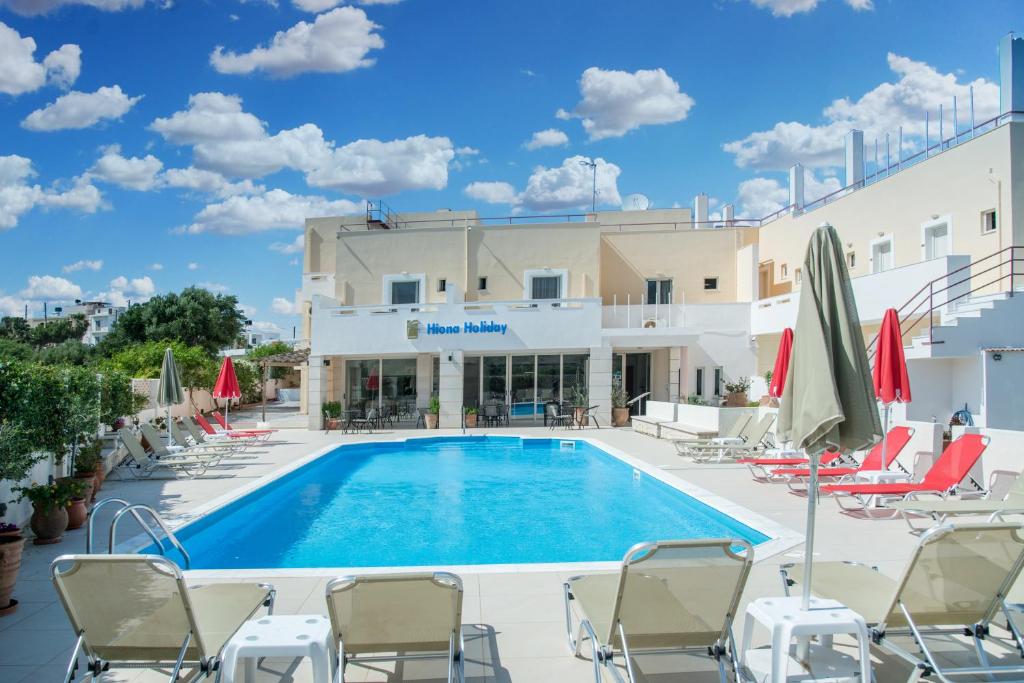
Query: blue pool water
(449, 501)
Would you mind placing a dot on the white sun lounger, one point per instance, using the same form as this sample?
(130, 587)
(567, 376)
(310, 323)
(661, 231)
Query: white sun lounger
(141, 464)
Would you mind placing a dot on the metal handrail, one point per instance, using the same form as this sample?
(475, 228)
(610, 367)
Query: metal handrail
(103, 503)
(133, 509)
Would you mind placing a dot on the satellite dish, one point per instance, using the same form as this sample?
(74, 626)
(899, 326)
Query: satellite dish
(636, 202)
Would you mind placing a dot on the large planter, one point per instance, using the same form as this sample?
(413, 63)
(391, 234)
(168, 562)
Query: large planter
(77, 513)
(470, 420)
(332, 423)
(430, 419)
(10, 562)
(736, 399)
(620, 417)
(88, 480)
(100, 475)
(48, 524)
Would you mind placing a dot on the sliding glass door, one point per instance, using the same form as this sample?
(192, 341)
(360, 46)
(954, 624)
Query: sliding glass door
(522, 385)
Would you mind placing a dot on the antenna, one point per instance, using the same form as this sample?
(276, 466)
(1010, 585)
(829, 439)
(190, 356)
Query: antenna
(636, 202)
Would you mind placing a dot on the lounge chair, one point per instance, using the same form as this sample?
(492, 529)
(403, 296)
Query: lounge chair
(200, 437)
(736, 435)
(222, 421)
(952, 467)
(756, 441)
(136, 611)
(413, 616)
(669, 597)
(188, 441)
(160, 450)
(141, 464)
(1004, 496)
(954, 584)
(764, 469)
(895, 441)
(210, 430)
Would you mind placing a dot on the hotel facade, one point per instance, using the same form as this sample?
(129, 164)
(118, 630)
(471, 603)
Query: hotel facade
(673, 304)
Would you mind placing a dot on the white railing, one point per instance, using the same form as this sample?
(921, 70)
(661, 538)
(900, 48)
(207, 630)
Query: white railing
(642, 316)
(322, 284)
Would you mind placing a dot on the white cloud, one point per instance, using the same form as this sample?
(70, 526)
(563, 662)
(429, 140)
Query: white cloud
(271, 210)
(156, 266)
(81, 110)
(266, 326)
(247, 311)
(616, 102)
(293, 262)
(466, 151)
(920, 88)
(135, 173)
(215, 287)
(31, 8)
(492, 192)
(51, 288)
(21, 73)
(283, 306)
(787, 8)
(551, 137)
(83, 265)
(571, 186)
(294, 247)
(335, 42)
(210, 182)
(12, 305)
(233, 142)
(121, 290)
(17, 196)
(759, 197)
(316, 6)
(193, 266)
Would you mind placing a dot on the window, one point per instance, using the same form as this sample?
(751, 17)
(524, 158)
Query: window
(988, 221)
(784, 271)
(851, 259)
(881, 254)
(659, 291)
(698, 390)
(798, 275)
(546, 287)
(711, 284)
(407, 292)
(719, 379)
(481, 283)
(442, 284)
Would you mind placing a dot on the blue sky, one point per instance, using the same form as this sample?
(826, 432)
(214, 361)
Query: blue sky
(147, 146)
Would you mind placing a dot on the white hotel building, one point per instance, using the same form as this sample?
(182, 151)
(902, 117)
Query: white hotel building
(401, 307)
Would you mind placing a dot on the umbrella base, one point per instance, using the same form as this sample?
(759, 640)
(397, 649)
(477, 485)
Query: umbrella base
(827, 666)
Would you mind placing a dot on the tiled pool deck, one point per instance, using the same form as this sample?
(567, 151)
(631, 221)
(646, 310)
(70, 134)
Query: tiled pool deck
(514, 620)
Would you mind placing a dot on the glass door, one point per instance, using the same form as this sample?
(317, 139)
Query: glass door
(522, 387)
(549, 384)
(471, 381)
(637, 379)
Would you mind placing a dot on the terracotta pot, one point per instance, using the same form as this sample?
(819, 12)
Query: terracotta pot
(471, 421)
(620, 417)
(332, 423)
(77, 513)
(100, 474)
(48, 524)
(89, 480)
(431, 420)
(11, 547)
(736, 399)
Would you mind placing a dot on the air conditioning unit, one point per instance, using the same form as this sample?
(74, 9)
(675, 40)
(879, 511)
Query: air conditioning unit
(650, 323)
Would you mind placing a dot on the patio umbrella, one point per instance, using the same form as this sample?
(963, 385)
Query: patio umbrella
(778, 382)
(227, 386)
(890, 376)
(828, 402)
(169, 392)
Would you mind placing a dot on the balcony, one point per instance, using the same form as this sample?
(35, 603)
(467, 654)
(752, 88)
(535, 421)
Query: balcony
(314, 284)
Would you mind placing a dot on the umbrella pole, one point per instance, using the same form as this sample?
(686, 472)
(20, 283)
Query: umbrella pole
(227, 411)
(170, 437)
(812, 502)
(885, 437)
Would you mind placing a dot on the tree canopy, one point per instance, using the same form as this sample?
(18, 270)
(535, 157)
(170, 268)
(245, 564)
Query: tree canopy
(50, 333)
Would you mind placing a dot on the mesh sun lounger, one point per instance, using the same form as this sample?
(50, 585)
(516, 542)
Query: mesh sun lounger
(141, 464)
(763, 468)
(952, 467)
(954, 584)
(895, 441)
(227, 446)
(162, 451)
(737, 435)
(136, 611)
(757, 439)
(200, 437)
(998, 501)
(669, 597)
(389, 617)
(205, 425)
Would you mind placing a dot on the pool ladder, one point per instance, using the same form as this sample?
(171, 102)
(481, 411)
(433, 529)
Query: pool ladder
(138, 511)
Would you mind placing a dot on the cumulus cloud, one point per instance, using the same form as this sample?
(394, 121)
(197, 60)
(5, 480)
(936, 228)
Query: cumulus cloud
(492, 192)
(569, 186)
(122, 290)
(134, 173)
(787, 8)
(51, 288)
(294, 247)
(283, 306)
(77, 110)
(193, 266)
(31, 8)
(83, 265)
(919, 88)
(209, 182)
(335, 42)
(18, 195)
(156, 266)
(270, 210)
(215, 287)
(551, 137)
(759, 197)
(21, 73)
(616, 102)
(233, 142)
(317, 6)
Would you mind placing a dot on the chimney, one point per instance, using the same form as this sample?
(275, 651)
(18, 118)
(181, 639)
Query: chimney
(727, 215)
(796, 186)
(700, 210)
(1011, 77)
(854, 158)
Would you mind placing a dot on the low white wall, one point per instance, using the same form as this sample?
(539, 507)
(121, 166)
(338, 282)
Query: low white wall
(710, 418)
(1003, 401)
(19, 512)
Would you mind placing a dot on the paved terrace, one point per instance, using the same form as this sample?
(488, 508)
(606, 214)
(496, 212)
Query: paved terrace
(514, 621)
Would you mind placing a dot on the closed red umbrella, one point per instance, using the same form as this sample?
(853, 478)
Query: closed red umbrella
(890, 377)
(778, 382)
(227, 385)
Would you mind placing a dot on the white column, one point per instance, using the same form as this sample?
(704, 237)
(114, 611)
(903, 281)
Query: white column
(728, 215)
(796, 186)
(854, 157)
(700, 210)
(675, 360)
(424, 385)
(1011, 76)
(450, 390)
(600, 383)
(317, 384)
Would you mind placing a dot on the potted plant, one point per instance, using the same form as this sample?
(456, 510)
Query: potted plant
(767, 400)
(86, 465)
(471, 418)
(11, 545)
(736, 392)
(620, 409)
(578, 395)
(433, 411)
(331, 411)
(50, 504)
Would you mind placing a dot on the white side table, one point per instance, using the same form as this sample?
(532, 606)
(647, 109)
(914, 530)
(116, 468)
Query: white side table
(784, 618)
(881, 477)
(291, 635)
(784, 453)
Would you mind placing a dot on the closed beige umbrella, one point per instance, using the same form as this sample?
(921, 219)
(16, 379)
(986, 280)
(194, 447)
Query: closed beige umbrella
(169, 392)
(829, 401)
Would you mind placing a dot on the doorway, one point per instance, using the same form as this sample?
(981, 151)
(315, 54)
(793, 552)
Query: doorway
(936, 240)
(635, 369)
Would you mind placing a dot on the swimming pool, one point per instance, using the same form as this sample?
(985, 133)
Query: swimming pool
(451, 501)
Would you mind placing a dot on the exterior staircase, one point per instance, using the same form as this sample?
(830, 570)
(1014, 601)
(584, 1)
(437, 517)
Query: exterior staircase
(974, 322)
